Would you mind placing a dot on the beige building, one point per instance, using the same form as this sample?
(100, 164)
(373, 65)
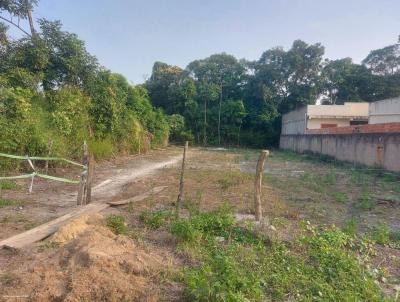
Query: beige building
(385, 111)
(324, 116)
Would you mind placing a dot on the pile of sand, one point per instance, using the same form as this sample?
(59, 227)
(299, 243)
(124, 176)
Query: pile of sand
(91, 264)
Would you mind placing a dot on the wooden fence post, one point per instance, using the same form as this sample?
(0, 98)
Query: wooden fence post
(49, 147)
(258, 183)
(181, 183)
(89, 179)
(82, 185)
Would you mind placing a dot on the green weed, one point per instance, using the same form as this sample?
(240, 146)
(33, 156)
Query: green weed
(365, 201)
(117, 224)
(340, 197)
(155, 220)
(231, 179)
(8, 185)
(381, 234)
(247, 267)
(351, 227)
(7, 203)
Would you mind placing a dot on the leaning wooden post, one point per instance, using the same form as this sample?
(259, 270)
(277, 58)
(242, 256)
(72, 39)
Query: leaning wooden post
(49, 147)
(89, 179)
(181, 183)
(257, 184)
(82, 185)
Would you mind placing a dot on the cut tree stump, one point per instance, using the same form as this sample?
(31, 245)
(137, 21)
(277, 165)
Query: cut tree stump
(257, 184)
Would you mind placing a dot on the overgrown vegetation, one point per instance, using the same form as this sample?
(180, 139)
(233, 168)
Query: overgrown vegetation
(155, 220)
(238, 263)
(51, 88)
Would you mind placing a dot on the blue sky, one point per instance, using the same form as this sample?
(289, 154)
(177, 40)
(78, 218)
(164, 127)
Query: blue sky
(127, 36)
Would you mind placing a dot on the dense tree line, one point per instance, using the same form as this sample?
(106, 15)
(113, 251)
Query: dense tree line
(51, 88)
(223, 100)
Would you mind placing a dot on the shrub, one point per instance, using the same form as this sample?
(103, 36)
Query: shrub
(117, 224)
(155, 219)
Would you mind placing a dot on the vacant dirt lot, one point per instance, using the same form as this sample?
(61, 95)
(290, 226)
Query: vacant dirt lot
(295, 189)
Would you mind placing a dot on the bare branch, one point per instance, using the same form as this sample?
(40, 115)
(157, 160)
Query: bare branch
(16, 25)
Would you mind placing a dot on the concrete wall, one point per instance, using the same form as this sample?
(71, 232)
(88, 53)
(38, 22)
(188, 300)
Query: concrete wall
(385, 111)
(370, 149)
(349, 109)
(315, 123)
(312, 116)
(294, 122)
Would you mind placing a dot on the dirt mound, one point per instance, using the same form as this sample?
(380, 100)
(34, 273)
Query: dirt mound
(92, 264)
(78, 226)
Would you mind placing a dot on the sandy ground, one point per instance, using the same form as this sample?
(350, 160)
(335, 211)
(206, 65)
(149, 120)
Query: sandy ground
(294, 190)
(50, 200)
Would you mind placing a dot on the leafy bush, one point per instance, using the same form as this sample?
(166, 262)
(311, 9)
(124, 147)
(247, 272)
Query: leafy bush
(117, 224)
(101, 148)
(155, 220)
(178, 133)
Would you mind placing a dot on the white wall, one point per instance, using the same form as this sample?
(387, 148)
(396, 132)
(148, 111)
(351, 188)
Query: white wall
(347, 110)
(315, 123)
(385, 111)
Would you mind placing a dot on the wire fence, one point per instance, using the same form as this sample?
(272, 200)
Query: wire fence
(35, 173)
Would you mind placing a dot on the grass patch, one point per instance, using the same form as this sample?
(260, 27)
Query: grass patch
(8, 185)
(155, 220)
(365, 202)
(381, 234)
(117, 224)
(240, 264)
(351, 227)
(7, 203)
(340, 197)
(232, 179)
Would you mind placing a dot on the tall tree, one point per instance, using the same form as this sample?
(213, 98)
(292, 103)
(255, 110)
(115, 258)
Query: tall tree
(223, 70)
(384, 61)
(20, 9)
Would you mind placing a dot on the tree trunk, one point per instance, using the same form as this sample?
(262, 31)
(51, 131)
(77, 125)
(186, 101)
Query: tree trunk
(257, 184)
(31, 22)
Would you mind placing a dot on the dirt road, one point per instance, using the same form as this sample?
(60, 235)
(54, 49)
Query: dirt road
(50, 200)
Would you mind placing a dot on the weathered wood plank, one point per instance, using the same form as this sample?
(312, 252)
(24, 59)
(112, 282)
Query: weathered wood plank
(45, 230)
